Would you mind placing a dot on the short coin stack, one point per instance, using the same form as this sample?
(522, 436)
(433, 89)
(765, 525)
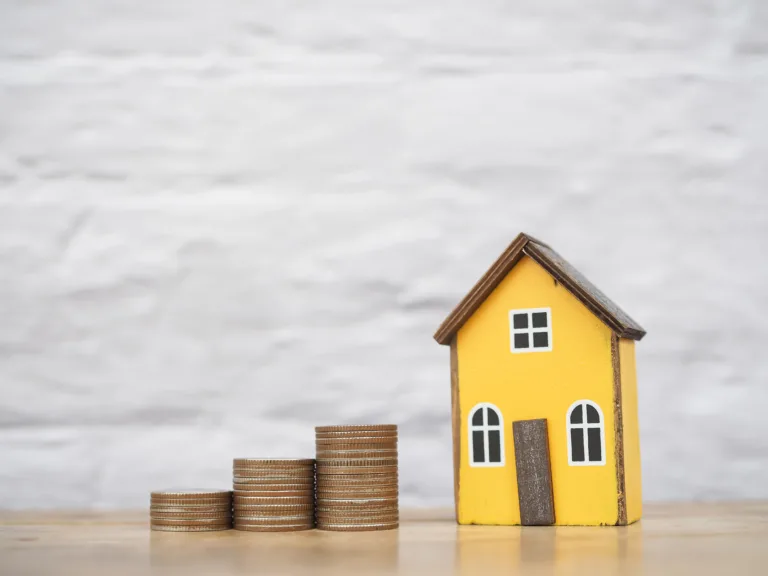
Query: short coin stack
(274, 495)
(357, 477)
(190, 510)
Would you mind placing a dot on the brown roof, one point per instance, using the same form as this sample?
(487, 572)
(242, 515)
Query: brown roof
(616, 319)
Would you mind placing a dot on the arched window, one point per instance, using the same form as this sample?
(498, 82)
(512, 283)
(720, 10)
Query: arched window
(586, 434)
(486, 436)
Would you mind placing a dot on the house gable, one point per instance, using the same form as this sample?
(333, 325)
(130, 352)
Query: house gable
(597, 302)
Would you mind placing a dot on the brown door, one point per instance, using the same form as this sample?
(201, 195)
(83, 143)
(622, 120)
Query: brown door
(534, 473)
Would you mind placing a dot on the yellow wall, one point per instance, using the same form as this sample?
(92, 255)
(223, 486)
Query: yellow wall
(536, 385)
(632, 479)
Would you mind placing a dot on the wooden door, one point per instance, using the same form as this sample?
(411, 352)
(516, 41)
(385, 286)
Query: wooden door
(534, 473)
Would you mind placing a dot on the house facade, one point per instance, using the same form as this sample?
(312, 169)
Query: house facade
(535, 340)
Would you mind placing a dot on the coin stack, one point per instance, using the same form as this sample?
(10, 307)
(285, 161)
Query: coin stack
(190, 510)
(357, 477)
(274, 495)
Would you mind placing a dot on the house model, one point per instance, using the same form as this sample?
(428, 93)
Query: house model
(544, 397)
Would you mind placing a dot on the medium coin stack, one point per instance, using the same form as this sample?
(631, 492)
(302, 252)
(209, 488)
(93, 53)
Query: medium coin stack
(357, 477)
(190, 510)
(274, 495)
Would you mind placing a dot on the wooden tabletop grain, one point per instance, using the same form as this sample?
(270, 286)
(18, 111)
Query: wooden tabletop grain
(729, 539)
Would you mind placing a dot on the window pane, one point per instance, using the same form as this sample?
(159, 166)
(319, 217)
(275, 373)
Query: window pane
(477, 417)
(493, 418)
(595, 448)
(592, 415)
(494, 446)
(539, 319)
(521, 341)
(478, 447)
(577, 444)
(540, 340)
(576, 415)
(520, 321)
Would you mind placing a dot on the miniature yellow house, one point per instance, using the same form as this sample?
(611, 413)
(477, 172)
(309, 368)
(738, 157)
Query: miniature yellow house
(544, 397)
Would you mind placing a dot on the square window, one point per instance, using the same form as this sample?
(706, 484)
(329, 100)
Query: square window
(539, 319)
(530, 330)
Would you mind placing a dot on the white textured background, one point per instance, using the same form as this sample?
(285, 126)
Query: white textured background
(222, 223)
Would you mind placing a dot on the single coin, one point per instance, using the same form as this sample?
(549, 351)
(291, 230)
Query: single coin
(289, 500)
(274, 471)
(279, 528)
(272, 474)
(161, 515)
(191, 509)
(275, 493)
(337, 482)
(272, 462)
(271, 484)
(276, 510)
(379, 504)
(183, 522)
(196, 494)
(355, 427)
(283, 477)
(355, 470)
(357, 462)
(212, 528)
(274, 520)
(192, 504)
(355, 497)
(334, 527)
(355, 454)
(355, 512)
(352, 521)
(376, 436)
(353, 502)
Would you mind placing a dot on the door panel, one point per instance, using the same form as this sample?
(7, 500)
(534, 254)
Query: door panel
(534, 473)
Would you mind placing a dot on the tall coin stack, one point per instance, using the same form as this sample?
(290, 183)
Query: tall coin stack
(190, 510)
(274, 495)
(357, 477)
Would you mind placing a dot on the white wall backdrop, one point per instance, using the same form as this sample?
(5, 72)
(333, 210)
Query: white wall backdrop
(223, 223)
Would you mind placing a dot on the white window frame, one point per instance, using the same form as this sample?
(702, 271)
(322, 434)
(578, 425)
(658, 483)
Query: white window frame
(585, 426)
(530, 330)
(485, 428)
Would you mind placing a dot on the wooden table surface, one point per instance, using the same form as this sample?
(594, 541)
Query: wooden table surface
(729, 539)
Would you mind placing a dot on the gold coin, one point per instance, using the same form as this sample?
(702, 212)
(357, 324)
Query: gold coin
(213, 528)
(187, 522)
(274, 462)
(279, 528)
(334, 527)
